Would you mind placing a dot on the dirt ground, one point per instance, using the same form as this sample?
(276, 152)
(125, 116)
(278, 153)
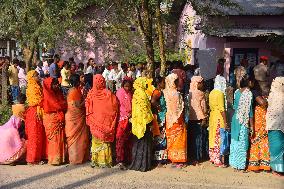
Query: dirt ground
(83, 176)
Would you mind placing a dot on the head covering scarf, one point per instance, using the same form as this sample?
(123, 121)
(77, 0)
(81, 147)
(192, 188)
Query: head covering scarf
(150, 88)
(52, 102)
(34, 90)
(125, 101)
(174, 100)
(197, 100)
(275, 110)
(220, 84)
(141, 108)
(244, 107)
(101, 110)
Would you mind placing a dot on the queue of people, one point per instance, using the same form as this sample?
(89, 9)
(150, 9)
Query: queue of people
(117, 116)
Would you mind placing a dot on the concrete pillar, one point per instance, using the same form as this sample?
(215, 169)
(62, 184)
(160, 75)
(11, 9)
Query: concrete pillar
(8, 48)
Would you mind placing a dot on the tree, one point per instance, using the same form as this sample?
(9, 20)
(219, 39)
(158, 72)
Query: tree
(33, 22)
(161, 38)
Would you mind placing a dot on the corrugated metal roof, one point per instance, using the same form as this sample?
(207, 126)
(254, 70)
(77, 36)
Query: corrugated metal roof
(257, 7)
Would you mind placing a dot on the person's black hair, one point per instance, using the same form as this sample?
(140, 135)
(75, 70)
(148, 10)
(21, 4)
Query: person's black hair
(50, 61)
(56, 56)
(158, 80)
(21, 98)
(16, 61)
(246, 79)
(74, 80)
(81, 65)
(123, 66)
(66, 63)
(71, 59)
(126, 81)
(22, 64)
(89, 79)
(114, 63)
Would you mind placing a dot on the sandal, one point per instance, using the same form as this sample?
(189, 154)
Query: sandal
(180, 166)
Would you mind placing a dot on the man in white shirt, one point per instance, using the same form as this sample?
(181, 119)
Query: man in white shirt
(139, 70)
(121, 75)
(131, 72)
(116, 76)
(105, 74)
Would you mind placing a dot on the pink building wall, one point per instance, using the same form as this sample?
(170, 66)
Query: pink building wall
(224, 48)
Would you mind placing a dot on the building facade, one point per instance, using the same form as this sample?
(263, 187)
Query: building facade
(242, 34)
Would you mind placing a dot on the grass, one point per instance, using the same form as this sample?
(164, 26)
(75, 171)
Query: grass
(5, 113)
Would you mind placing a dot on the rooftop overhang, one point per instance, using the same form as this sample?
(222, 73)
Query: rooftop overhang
(246, 32)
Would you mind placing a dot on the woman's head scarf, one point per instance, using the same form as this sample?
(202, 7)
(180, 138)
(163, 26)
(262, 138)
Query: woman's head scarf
(275, 110)
(174, 100)
(220, 84)
(34, 90)
(102, 110)
(197, 100)
(52, 102)
(141, 108)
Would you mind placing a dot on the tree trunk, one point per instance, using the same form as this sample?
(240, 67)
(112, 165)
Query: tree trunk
(28, 55)
(146, 26)
(4, 87)
(161, 38)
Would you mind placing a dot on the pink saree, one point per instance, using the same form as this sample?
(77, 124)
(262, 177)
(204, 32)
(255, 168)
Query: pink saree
(12, 147)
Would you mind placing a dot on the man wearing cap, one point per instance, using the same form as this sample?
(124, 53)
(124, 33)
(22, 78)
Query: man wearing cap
(261, 73)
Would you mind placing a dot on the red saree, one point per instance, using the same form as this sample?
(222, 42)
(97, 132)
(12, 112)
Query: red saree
(77, 132)
(54, 106)
(36, 139)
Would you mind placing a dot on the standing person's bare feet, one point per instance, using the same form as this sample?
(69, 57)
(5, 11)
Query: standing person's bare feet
(277, 174)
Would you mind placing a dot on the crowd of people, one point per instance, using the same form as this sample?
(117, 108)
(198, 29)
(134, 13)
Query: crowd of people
(65, 112)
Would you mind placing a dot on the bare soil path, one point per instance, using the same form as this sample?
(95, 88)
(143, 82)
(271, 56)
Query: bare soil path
(204, 176)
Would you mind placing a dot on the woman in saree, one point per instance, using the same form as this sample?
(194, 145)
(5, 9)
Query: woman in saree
(275, 125)
(142, 118)
(76, 130)
(12, 145)
(259, 149)
(159, 110)
(242, 124)
(198, 134)
(54, 106)
(123, 130)
(101, 115)
(218, 123)
(35, 134)
(175, 127)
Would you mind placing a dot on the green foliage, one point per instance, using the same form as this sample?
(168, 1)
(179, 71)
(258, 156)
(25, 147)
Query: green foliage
(38, 21)
(5, 113)
(170, 56)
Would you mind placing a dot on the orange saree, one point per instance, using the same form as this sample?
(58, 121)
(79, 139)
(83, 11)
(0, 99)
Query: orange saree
(54, 106)
(76, 130)
(177, 142)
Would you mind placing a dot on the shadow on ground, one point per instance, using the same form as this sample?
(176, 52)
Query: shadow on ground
(29, 180)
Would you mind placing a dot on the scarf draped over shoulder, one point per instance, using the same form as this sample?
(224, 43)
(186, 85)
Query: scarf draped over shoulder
(275, 110)
(174, 100)
(101, 110)
(141, 108)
